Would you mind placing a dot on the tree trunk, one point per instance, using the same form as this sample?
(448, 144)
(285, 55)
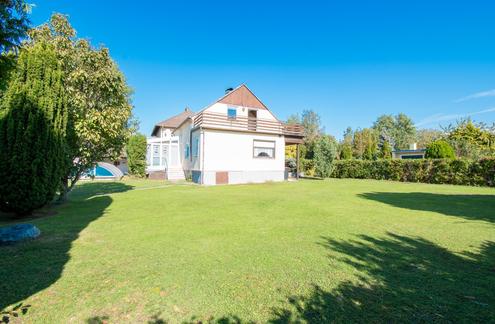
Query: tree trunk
(65, 188)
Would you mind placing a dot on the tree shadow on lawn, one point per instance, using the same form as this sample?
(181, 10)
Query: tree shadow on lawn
(472, 207)
(30, 267)
(88, 188)
(401, 279)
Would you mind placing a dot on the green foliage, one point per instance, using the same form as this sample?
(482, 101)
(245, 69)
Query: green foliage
(398, 130)
(440, 149)
(7, 66)
(98, 96)
(385, 126)
(345, 151)
(311, 122)
(290, 151)
(441, 171)
(405, 131)
(471, 140)
(385, 150)
(345, 146)
(13, 23)
(325, 153)
(365, 144)
(308, 167)
(426, 136)
(136, 155)
(13, 26)
(293, 119)
(33, 127)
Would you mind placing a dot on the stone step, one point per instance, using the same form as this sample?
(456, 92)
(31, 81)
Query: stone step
(175, 174)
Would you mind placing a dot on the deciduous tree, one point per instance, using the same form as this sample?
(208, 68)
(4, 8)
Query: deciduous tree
(365, 144)
(471, 140)
(14, 23)
(99, 98)
(405, 131)
(13, 26)
(311, 122)
(399, 130)
(426, 136)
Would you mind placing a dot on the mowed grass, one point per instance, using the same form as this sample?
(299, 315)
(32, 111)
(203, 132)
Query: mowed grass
(307, 251)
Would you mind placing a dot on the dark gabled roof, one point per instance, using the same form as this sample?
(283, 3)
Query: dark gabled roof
(173, 122)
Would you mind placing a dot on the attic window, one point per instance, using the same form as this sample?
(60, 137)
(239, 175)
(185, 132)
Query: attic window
(232, 113)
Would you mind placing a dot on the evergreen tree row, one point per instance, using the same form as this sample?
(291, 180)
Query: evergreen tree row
(34, 123)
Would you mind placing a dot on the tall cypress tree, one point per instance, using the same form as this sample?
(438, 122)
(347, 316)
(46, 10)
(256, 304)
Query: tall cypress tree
(33, 127)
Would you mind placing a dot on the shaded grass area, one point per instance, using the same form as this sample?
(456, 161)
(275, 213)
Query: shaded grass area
(312, 251)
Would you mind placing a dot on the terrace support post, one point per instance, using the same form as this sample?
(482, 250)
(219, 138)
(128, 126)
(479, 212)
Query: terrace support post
(297, 161)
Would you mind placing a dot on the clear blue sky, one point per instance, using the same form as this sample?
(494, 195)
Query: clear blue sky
(348, 60)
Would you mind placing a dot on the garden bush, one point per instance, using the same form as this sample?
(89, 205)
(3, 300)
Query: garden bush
(136, 155)
(325, 152)
(442, 171)
(440, 149)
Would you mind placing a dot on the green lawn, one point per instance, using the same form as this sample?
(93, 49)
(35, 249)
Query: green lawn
(314, 251)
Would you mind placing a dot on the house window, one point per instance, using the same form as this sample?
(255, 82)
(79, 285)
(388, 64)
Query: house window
(195, 147)
(186, 151)
(148, 154)
(264, 149)
(156, 155)
(232, 113)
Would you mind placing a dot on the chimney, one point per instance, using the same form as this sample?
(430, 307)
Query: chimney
(413, 146)
(228, 90)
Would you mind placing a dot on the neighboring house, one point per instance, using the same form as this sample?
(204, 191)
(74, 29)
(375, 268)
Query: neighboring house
(237, 139)
(412, 153)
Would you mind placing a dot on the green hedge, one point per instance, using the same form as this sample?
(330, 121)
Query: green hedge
(459, 171)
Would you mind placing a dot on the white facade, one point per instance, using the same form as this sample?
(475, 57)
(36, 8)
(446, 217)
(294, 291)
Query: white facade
(229, 142)
(233, 152)
(163, 152)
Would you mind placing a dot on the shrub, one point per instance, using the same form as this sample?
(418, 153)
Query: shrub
(442, 171)
(325, 153)
(308, 166)
(346, 152)
(440, 149)
(291, 163)
(385, 150)
(136, 155)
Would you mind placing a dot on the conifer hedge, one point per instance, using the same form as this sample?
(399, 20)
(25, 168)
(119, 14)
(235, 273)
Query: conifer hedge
(33, 126)
(441, 171)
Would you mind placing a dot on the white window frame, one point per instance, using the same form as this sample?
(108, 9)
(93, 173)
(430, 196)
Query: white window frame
(257, 144)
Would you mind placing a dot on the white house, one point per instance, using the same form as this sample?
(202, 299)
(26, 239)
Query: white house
(412, 153)
(237, 139)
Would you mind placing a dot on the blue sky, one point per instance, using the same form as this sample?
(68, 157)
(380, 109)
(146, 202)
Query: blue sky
(350, 61)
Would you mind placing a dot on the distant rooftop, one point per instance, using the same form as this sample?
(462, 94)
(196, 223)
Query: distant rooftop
(174, 121)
